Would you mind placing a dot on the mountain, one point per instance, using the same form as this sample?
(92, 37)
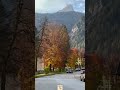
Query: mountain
(67, 18)
(74, 21)
(77, 35)
(68, 8)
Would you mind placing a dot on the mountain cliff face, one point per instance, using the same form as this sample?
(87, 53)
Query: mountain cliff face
(66, 18)
(77, 35)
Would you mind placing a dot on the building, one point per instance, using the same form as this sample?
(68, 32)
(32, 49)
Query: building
(40, 64)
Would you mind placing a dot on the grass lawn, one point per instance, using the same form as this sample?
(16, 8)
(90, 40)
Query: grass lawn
(49, 74)
(42, 75)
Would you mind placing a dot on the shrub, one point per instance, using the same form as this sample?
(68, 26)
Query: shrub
(47, 70)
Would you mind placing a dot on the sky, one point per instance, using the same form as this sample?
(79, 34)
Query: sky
(51, 6)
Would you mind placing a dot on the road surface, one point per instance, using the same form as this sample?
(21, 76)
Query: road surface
(69, 82)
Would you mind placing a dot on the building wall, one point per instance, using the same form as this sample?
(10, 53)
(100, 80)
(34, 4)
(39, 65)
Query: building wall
(40, 64)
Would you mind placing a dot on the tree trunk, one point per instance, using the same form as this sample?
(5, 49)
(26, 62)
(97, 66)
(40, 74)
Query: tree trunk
(3, 76)
(50, 67)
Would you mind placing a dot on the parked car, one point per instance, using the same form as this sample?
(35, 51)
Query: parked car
(82, 76)
(69, 71)
(82, 68)
(77, 69)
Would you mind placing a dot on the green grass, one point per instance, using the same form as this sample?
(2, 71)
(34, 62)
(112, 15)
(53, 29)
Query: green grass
(42, 75)
(49, 74)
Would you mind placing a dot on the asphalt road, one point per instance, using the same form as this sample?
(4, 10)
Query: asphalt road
(69, 82)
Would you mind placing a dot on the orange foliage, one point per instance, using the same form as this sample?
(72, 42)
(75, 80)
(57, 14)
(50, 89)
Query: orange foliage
(55, 45)
(72, 58)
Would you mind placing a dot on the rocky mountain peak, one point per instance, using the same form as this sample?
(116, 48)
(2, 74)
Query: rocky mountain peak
(68, 8)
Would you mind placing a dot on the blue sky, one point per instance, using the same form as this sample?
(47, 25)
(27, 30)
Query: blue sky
(51, 6)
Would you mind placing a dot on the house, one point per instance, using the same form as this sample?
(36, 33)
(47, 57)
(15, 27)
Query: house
(40, 64)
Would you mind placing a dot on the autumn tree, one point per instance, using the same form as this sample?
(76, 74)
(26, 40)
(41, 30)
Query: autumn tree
(40, 39)
(82, 56)
(72, 57)
(55, 44)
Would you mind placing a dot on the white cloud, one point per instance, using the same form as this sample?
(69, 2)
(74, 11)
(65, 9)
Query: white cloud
(50, 6)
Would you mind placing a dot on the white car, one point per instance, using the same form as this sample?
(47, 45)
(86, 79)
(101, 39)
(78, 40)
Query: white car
(77, 69)
(82, 76)
(83, 68)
